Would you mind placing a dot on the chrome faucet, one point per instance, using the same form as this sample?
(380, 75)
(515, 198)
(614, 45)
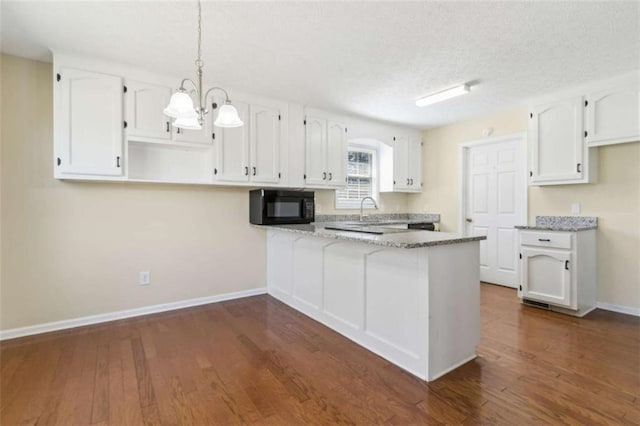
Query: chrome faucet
(362, 206)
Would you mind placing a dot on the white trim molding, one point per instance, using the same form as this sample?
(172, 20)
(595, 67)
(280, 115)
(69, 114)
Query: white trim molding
(629, 310)
(128, 313)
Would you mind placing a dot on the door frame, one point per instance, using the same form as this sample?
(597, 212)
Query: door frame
(463, 153)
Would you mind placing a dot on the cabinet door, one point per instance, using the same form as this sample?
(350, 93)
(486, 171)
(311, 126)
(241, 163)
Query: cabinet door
(414, 162)
(557, 142)
(89, 123)
(336, 154)
(316, 151)
(265, 144)
(232, 149)
(613, 116)
(145, 103)
(546, 276)
(401, 163)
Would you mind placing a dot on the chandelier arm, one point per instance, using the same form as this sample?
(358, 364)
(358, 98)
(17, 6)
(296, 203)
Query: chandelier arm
(195, 86)
(226, 95)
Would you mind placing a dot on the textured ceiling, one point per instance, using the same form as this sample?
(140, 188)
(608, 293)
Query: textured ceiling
(368, 59)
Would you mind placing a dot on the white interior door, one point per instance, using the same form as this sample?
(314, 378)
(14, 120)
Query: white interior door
(495, 203)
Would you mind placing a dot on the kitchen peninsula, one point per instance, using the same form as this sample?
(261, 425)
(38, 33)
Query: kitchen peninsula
(410, 296)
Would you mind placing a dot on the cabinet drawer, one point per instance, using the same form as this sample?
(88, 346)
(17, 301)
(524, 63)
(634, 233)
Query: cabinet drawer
(560, 240)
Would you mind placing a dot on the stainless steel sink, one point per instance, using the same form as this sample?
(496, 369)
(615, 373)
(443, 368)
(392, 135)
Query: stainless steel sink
(366, 229)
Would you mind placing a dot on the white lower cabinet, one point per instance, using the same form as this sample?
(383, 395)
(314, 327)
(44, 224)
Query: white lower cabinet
(558, 270)
(547, 276)
(418, 308)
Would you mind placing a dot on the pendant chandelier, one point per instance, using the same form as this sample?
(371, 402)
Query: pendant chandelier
(181, 104)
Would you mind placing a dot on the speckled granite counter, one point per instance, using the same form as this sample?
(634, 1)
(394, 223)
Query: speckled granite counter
(390, 218)
(404, 239)
(563, 223)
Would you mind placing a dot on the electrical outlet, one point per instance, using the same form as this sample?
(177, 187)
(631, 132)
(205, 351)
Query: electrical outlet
(575, 208)
(145, 278)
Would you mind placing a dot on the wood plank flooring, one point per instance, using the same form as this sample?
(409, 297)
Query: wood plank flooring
(256, 361)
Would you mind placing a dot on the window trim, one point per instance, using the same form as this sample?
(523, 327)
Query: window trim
(371, 148)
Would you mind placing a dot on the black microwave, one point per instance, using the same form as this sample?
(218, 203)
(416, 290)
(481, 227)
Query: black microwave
(277, 207)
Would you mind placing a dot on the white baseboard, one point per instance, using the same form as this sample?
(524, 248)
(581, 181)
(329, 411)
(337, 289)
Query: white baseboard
(112, 316)
(619, 308)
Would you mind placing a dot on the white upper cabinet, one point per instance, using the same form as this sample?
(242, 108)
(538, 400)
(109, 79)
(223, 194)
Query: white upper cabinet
(316, 151)
(326, 153)
(401, 163)
(336, 154)
(250, 153)
(88, 124)
(144, 105)
(407, 164)
(232, 148)
(556, 140)
(415, 164)
(264, 136)
(613, 115)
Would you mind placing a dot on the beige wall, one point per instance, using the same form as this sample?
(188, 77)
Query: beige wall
(71, 249)
(615, 199)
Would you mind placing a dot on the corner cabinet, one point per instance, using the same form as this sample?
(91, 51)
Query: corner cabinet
(88, 120)
(557, 270)
(325, 153)
(407, 164)
(613, 115)
(558, 152)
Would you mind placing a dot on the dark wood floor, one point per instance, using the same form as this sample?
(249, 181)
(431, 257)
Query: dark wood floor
(257, 361)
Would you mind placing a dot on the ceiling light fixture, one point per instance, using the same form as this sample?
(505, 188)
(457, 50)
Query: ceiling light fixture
(443, 95)
(181, 104)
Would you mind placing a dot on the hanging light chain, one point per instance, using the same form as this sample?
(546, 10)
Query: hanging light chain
(199, 62)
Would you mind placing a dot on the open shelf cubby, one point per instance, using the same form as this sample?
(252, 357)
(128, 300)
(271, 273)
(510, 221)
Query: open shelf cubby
(170, 163)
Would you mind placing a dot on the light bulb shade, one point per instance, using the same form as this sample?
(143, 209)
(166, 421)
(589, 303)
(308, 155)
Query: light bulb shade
(189, 123)
(228, 117)
(180, 106)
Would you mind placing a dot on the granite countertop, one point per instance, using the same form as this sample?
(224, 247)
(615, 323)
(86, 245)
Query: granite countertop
(396, 238)
(381, 218)
(562, 223)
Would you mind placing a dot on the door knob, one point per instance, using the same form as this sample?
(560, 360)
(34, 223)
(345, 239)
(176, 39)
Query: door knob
(469, 220)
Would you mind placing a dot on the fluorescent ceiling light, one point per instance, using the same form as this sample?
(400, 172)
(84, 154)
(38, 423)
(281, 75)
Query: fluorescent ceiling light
(444, 95)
